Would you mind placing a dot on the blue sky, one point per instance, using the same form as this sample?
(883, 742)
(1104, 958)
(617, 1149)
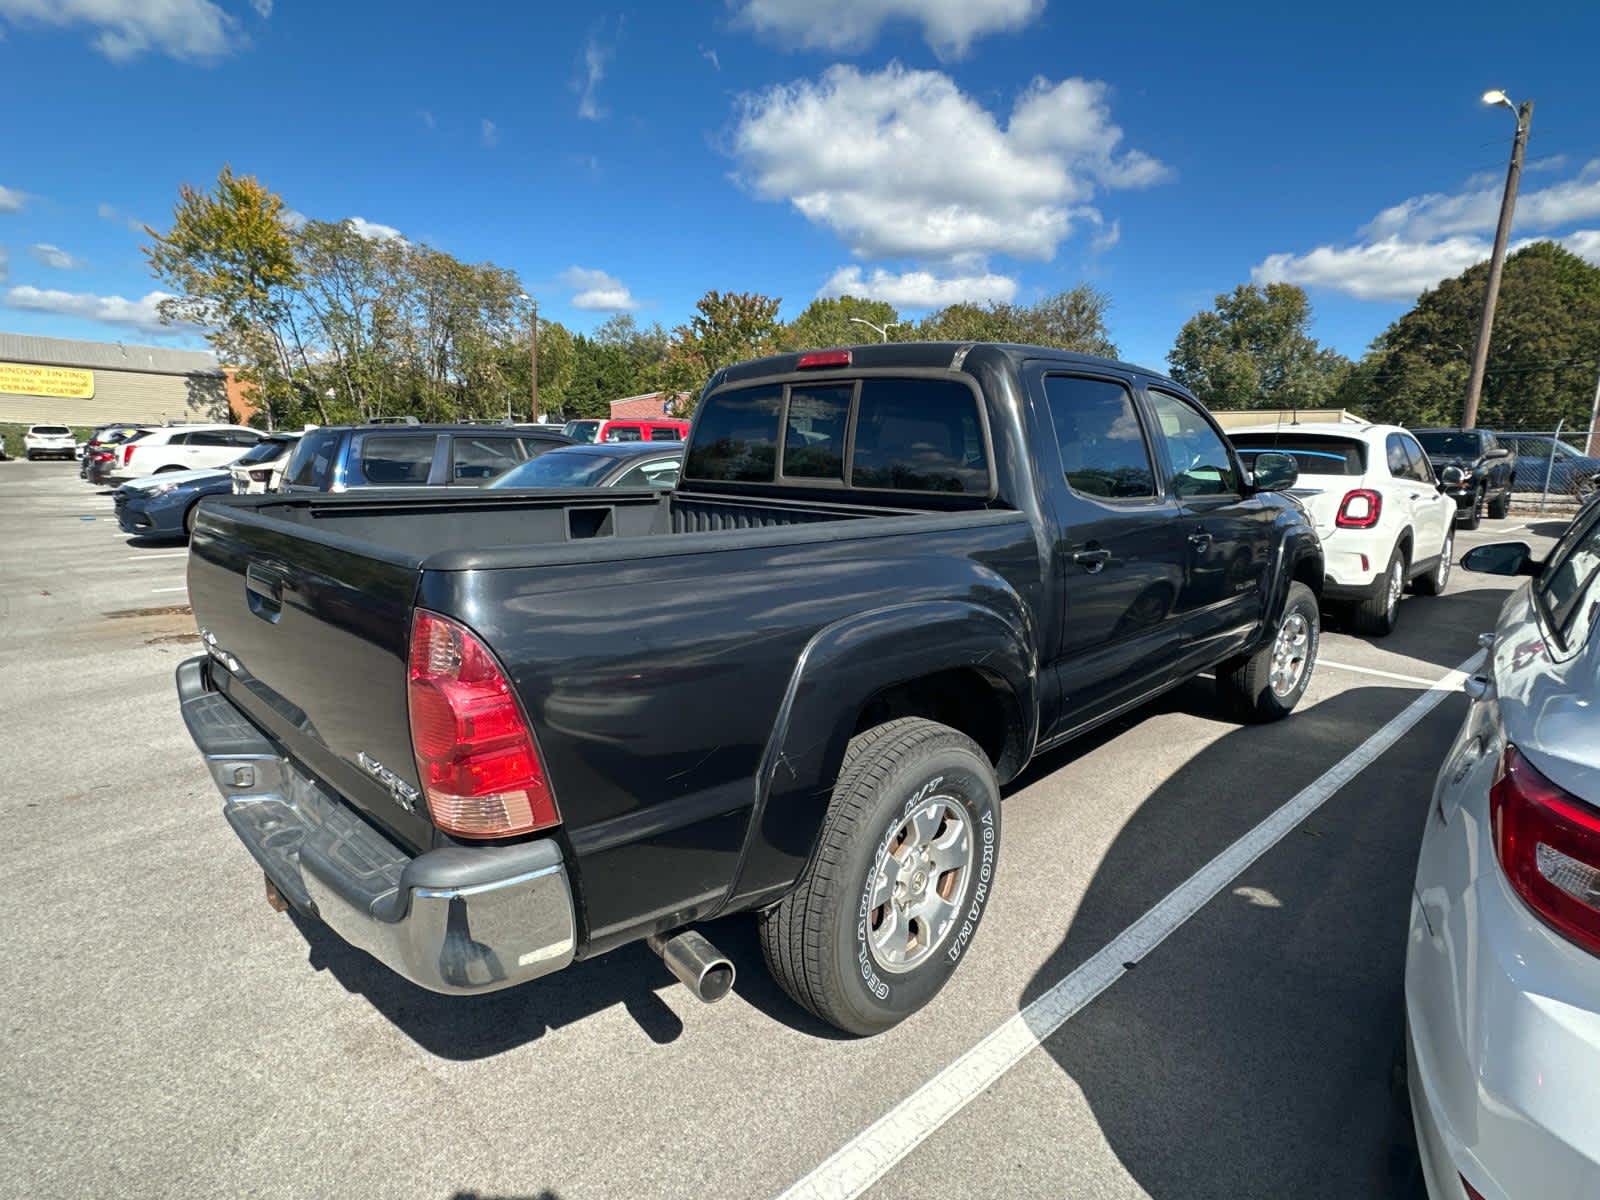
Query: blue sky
(921, 150)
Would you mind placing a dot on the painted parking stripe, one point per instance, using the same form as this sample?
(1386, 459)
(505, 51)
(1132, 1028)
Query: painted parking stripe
(185, 588)
(872, 1153)
(148, 557)
(1413, 679)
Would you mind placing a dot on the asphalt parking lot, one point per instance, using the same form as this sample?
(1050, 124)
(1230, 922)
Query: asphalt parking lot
(1180, 1004)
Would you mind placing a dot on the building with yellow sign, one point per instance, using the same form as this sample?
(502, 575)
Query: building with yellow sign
(68, 382)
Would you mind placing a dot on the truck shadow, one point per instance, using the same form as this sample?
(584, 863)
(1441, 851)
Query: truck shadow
(1250, 1054)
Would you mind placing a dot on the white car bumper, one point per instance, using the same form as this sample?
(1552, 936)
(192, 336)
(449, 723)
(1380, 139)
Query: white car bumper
(1503, 1015)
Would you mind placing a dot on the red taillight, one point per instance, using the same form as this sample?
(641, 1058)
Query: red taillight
(1359, 509)
(127, 453)
(103, 456)
(476, 759)
(1472, 1192)
(823, 358)
(1548, 844)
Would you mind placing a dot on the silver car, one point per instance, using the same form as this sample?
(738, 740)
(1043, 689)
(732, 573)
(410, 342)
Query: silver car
(1503, 962)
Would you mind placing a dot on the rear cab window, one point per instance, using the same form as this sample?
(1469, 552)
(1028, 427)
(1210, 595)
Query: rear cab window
(880, 433)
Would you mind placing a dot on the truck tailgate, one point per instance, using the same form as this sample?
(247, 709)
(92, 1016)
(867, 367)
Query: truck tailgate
(307, 634)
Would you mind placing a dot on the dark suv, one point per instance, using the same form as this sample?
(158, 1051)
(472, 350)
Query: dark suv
(338, 458)
(1487, 467)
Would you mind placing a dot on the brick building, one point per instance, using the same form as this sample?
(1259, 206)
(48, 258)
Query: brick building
(651, 405)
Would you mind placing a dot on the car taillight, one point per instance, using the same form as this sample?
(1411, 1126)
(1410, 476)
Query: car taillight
(1359, 509)
(103, 456)
(261, 476)
(823, 358)
(476, 757)
(127, 453)
(1548, 844)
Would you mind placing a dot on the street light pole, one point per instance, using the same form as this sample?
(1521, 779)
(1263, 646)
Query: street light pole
(533, 352)
(1497, 260)
(881, 330)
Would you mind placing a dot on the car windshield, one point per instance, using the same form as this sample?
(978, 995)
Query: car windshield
(557, 469)
(1312, 455)
(582, 431)
(51, 429)
(265, 451)
(1450, 443)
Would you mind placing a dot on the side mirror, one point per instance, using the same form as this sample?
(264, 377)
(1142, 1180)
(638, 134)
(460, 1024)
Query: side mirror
(1274, 472)
(1452, 477)
(1502, 558)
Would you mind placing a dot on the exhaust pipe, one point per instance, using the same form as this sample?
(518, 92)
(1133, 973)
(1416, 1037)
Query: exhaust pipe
(699, 965)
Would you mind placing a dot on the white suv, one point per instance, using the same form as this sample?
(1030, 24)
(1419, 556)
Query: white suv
(49, 441)
(179, 448)
(1383, 520)
(260, 468)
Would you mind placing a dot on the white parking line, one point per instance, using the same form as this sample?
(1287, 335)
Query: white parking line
(185, 588)
(872, 1153)
(148, 557)
(1416, 679)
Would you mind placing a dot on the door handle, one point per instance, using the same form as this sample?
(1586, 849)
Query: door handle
(263, 590)
(1200, 541)
(1092, 561)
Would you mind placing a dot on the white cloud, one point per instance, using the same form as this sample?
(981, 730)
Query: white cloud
(371, 230)
(1585, 244)
(1550, 162)
(5, 264)
(488, 133)
(597, 291)
(110, 212)
(263, 8)
(427, 118)
(948, 26)
(190, 30)
(12, 200)
(901, 162)
(1108, 237)
(54, 257)
(1476, 209)
(140, 314)
(595, 60)
(709, 53)
(919, 289)
(293, 219)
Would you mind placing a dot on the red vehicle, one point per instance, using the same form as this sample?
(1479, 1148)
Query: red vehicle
(628, 429)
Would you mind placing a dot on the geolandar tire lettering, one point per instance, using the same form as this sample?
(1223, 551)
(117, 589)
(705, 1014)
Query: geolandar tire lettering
(902, 875)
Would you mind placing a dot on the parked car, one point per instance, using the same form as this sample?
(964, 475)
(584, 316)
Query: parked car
(49, 441)
(165, 505)
(179, 448)
(542, 726)
(1503, 960)
(1384, 521)
(1487, 470)
(1571, 474)
(260, 468)
(607, 465)
(98, 447)
(658, 429)
(338, 458)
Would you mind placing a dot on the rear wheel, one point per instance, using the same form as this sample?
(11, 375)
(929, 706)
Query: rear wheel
(1269, 683)
(903, 871)
(188, 519)
(1500, 506)
(1376, 614)
(1473, 517)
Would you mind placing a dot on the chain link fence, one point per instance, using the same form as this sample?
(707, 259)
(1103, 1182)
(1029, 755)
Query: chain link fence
(1553, 471)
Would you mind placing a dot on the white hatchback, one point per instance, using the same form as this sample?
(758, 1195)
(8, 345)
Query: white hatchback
(1377, 505)
(179, 448)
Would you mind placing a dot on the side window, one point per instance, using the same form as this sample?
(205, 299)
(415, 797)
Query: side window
(1421, 468)
(1097, 429)
(211, 437)
(813, 434)
(736, 436)
(179, 439)
(919, 435)
(664, 435)
(623, 433)
(661, 473)
(1569, 589)
(1399, 462)
(1201, 464)
(239, 437)
(396, 460)
(475, 458)
(312, 462)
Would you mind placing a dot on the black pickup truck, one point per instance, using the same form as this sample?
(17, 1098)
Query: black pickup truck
(482, 735)
(1487, 468)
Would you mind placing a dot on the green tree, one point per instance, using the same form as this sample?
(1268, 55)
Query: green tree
(1253, 350)
(1071, 320)
(728, 327)
(230, 259)
(1542, 359)
(829, 322)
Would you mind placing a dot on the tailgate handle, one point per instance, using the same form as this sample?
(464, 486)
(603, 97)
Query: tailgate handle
(263, 591)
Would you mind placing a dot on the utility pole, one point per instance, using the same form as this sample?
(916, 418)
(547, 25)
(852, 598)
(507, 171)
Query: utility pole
(1497, 260)
(533, 357)
(1593, 448)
